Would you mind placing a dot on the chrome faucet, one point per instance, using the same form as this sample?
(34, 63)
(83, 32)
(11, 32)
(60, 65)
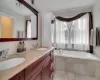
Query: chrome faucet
(4, 53)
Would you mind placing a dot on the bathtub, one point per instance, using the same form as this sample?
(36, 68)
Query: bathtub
(77, 65)
(76, 54)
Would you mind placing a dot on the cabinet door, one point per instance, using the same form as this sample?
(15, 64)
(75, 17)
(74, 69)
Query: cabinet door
(46, 70)
(19, 76)
(37, 75)
(34, 67)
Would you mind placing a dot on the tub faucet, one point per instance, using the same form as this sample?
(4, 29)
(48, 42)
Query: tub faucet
(60, 51)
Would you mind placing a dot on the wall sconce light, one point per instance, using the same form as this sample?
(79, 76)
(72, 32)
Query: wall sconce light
(53, 21)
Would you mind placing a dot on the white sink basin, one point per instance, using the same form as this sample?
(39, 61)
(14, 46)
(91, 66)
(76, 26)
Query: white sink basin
(10, 63)
(42, 49)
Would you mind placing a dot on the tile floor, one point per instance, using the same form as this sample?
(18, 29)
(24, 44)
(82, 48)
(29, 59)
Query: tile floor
(60, 75)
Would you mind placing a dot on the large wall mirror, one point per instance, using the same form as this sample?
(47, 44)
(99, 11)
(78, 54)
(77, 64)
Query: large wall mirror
(18, 21)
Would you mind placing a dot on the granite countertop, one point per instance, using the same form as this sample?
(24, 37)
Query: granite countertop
(30, 57)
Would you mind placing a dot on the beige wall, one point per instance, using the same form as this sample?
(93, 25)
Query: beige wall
(46, 29)
(12, 46)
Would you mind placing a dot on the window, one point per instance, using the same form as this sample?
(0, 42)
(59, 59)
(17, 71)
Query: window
(28, 29)
(72, 35)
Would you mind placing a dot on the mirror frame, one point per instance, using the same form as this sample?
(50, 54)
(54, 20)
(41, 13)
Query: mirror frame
(19, 39)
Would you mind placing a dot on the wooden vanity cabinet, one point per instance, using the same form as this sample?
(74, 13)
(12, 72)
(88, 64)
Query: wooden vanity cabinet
(42, 69)
(19, 76)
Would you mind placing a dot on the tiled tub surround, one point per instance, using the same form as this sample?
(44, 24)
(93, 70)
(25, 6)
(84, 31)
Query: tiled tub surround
(76, 67)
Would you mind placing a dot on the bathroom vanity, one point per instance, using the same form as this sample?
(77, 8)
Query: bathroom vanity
(37, 66)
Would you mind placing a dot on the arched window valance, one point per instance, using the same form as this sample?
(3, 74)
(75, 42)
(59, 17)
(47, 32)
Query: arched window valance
(72, 18)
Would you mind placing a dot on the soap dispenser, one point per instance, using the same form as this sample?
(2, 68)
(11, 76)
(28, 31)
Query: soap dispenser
(23, 45)
(19, 48)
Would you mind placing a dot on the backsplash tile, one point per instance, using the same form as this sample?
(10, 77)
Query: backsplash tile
(12, 46)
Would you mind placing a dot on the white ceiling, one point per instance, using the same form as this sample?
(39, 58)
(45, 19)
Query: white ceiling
(56, 5)
(11, 4)
(46, 5)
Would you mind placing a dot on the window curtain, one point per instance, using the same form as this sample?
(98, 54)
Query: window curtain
(73, 33)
